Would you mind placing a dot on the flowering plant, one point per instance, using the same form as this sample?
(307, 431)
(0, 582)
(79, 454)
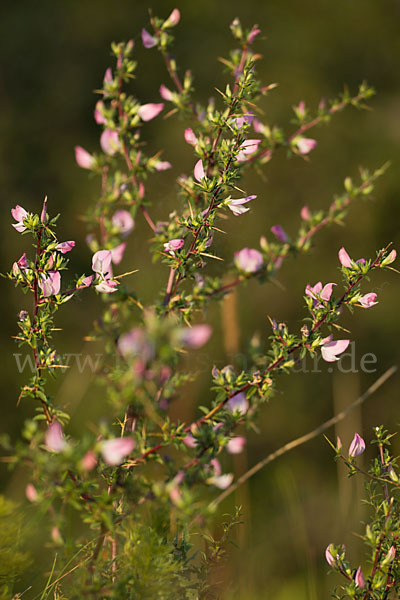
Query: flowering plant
(135, 480)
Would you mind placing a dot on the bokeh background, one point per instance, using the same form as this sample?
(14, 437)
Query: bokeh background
(53, 55)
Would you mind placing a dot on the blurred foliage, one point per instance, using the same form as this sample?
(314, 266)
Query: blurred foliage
(53, 56)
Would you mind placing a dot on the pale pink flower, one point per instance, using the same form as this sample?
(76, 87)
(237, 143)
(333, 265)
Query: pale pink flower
(359, 578)
(19, 214)
(236, 445)
(173, 18)
(101, 261)
(50, 285)
(248, 147)
(345, 259)
(258, 126)
(115, 450)
(368, 300)
(54, 439)
(221, 481)
(245, 119)
(83, 158)
(109, 142)
(117, 253)
(107, 286)
(147, 112)
(65, 247)
(87, 281)
(135, 343)
(173, 245)
(56, 536)
(123, 221)
(98, 113)
(249, 260)
(389, 259)
(196, 336)
(31, 493)
(199, 170)
(236, 205)
(305, 145)
(162, 165)
(190, 137)
(330, 559)
(305, 213)
(190, 441)
(238, 404)
(89, 461)
(23, 262)
(301, 108)
(390, 555)
(166, 93)
(330, 350)
(357, 446)
(279, 233)
(326, 291)
(108, 78)
(338, 443)
(148, 40)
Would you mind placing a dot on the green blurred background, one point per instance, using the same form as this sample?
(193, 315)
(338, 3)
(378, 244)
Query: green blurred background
(53, 56)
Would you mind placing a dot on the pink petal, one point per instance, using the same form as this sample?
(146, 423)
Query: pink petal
(199, 170)
(108, 78)
(123, 221)
(50, 285)
(148, 111)
(101, 261)
(65, 247)
(173, 245)
(190, 441)
(329, 558)
(23, 262)
(165, 93)
(305, 213)
(18, 213)
(305, 145)
(109, 141)
(98, 113)
(368, 300)
(279, 233)
(83, 158)
(117, 253)
(359, 578)
(222, 481)
(252, 35)
(196, 336)
(249, 260)
(390, 258)
(236, 445)
(54, 438)
(330, 350)
(357, 446)
(326, 292)
(107, 286)
(114, 451)
(238, 404)
(89, 461)
(31, 493)
(258, 126)
(190, 137)
(345, 259)
(163, 165)
(148, 40)
(173, 18)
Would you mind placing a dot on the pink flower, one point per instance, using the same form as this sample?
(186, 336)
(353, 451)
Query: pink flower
(330, 350)
(236, 205)
(134, 343)
(245, 119)
(19, 214)
(107, 286)
(359, 578)
(108, 78)
(31, 493)
(389, 259)
(190, 441)
(98, 113)
(305, 145)
(199, 170)
(117, 253)
(147, 112)
(50, 285)
(236, 445)
(326, 291)
(279, 233)
(87, 281)
(248, 147)
(258, 126)
(165, 93)
(173, 245)
(148, 40)
(101, 262)
(345, 259)
(173, 18)
(238, 404)
(196, 336)
(368, 300)
(89, 461)
(221, 481)
(23, 262)
(115, 450)
(357, 446)
(83, 158)
(329, 557)
(65, 247)
(305, 213)
(252, 35)
(54, 439)
(249, 260)
(109, 141)
(162, 165)
(190, 137)
(123, 221)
